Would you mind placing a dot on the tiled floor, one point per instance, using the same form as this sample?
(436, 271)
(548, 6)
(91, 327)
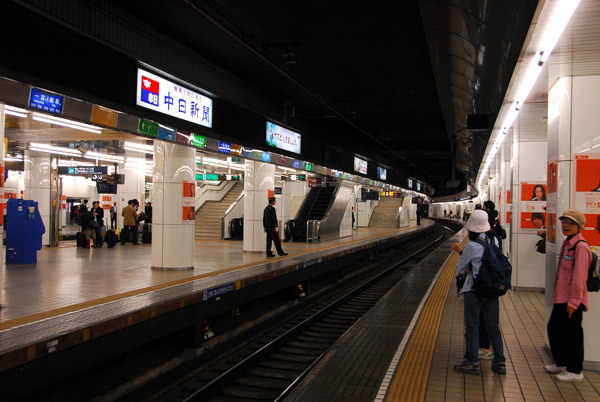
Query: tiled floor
(523, 327)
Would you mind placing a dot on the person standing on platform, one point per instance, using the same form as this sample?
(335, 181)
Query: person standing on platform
(271, 228)
(471, 259)
(570, 300)
(130, 221)
(87, 226)
(99, 215)
(113, 216)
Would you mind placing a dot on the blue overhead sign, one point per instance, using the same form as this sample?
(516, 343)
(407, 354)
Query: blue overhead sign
(46, 101)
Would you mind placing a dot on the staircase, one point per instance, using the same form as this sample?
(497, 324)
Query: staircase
(384, 215)
(208, 217)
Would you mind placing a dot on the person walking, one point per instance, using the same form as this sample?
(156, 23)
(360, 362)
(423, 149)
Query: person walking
(471, 259)
(271, 228)
(130, 221)
(570, 300)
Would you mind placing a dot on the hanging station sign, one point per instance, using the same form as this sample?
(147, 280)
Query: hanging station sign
(163, 96)
(283, 138)
(83, 170)
(46, 101)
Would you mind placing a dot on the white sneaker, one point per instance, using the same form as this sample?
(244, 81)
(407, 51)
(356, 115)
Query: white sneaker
(554, 369)
(570, 377)
(486, 354)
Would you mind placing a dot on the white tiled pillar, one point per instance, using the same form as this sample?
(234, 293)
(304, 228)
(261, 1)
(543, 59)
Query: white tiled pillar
(259, 179)
(3, 201)
(172, 232)
(37, 186)
(135, 180)
(572, 130)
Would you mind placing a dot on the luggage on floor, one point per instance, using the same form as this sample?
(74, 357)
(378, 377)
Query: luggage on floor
(147, 233)
(110, 238)
(124, 236)
(81, 242)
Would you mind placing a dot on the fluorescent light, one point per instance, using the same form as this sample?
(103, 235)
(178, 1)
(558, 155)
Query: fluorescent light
(69, 163)
(13, 113)
(66, 123)
(104, 157)
(559, 20)
(13, 159)
(53, 149)
(133, 146)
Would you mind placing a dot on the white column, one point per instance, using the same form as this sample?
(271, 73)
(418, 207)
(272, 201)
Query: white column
(172, 236)
(37, 186)
(2, 202)
(572, 129)
(258, 180)
(132, 189)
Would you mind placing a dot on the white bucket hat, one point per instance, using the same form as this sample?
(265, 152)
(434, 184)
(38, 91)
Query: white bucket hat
(478, 222)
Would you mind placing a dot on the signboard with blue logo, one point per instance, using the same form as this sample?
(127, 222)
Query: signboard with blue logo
(82, 170)
(163, 96)
(225, 147)
(46, 101)
(166, 133)
(266, 157)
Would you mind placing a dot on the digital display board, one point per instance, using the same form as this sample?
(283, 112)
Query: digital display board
(360, 165)
(163, 96)
(46, 101)
(283, 138)
(381, 173)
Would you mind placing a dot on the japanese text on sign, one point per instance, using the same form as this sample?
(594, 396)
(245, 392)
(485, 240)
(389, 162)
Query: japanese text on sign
(161, 95)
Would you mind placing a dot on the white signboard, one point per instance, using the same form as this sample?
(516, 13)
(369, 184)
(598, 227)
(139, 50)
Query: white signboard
(283, 138)
(360, 165)
(163, 96)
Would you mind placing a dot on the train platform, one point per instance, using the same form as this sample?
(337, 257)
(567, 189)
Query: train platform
(72, 296)
(405, 348)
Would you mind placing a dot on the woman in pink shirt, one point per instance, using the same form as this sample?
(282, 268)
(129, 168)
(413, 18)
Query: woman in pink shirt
(570, 300)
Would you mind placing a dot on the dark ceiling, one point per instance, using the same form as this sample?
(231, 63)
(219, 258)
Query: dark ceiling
(344, 64)
(392, 81)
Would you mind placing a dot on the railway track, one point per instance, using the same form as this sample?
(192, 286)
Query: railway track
(268, 368)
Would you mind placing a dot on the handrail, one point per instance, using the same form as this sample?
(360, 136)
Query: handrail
(203, 195)
(314, 224)
(231, 208)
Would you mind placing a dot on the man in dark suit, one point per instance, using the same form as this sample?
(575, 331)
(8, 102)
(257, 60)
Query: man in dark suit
(271, 228)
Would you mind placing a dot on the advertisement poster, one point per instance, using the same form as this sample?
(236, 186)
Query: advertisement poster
(587, 194)
(533, 208)
(189, 201)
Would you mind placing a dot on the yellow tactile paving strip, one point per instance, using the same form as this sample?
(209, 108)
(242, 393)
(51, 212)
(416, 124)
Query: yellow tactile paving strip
(410, 378)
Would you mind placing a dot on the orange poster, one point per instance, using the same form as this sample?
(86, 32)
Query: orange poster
(189, 201)
(587, 194)
(533, 207)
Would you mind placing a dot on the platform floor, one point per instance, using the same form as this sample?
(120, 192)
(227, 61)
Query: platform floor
(67, 279)
(386, 358)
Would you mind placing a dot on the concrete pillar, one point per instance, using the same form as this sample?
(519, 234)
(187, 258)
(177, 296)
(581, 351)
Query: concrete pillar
(259, 179)
(2, 200)
(174, 186)
(135, 180)
(573, 141)
(37, 186)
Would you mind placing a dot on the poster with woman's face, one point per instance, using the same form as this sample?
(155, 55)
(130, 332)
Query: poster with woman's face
(587, 194)
(189, 201)
(533, 207)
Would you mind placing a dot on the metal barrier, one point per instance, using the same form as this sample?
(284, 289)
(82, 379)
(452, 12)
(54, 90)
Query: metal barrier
(312, 230)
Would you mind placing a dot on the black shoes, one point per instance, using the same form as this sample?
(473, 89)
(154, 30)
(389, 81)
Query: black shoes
(270, 255)
(282, 254)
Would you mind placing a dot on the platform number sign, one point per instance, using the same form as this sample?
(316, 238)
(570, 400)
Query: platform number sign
(97, 177)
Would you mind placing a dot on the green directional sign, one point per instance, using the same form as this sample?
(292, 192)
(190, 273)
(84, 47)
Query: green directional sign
(148, 128)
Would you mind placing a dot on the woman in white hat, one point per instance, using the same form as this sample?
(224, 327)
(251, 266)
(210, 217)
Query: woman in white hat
(471, 258)
(570, 300)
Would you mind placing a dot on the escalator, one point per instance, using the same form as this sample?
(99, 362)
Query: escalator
(315, 206)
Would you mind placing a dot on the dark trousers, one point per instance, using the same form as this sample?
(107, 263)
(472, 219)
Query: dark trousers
(473, 307)
(484, 338)
(134, 233)
(99, 235)
(566, 337)
(113, 222)
(273, 237)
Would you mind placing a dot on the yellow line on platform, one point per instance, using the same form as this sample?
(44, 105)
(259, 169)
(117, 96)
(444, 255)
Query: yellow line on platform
(412, 373)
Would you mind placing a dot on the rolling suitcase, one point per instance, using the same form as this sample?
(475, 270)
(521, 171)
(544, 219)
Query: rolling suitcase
(110, 238)
(81, 242)
(147, 233)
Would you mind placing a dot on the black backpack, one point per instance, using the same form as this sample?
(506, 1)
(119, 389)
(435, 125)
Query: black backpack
(593, 278)
(495, 272)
